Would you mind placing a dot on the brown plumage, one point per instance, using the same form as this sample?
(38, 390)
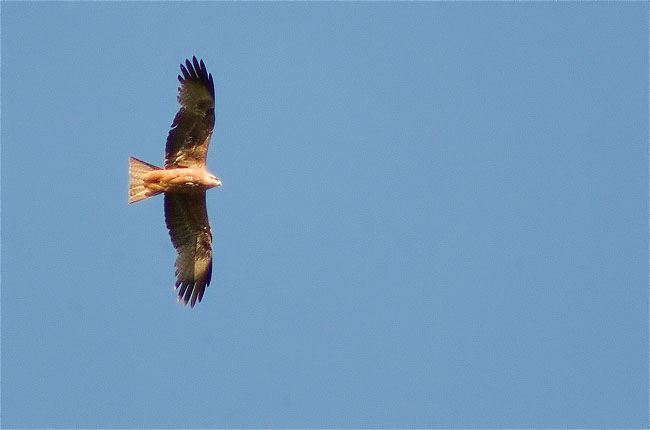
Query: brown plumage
(184, 181)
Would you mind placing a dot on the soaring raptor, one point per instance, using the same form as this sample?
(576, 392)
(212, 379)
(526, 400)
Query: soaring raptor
(184, 181)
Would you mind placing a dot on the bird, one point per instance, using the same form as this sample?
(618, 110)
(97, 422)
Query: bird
(184, 181)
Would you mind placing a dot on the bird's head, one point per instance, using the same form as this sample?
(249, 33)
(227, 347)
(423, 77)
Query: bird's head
(214, 181)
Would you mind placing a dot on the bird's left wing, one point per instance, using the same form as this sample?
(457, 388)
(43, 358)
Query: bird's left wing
(189, 138)
(186, 217)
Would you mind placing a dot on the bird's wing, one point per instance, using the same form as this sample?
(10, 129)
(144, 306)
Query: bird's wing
(188, 140)
(186, 217)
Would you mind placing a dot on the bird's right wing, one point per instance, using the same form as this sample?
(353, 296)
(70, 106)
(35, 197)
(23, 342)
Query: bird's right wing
(189, 138)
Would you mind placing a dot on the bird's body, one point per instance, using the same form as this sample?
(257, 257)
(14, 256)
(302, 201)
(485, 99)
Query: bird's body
(184, 181)
(179, 180)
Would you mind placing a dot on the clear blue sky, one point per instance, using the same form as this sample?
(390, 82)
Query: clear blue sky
(433, 215)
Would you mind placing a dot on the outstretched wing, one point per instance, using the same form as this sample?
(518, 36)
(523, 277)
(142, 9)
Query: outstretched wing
(188, 140)
(187, 220)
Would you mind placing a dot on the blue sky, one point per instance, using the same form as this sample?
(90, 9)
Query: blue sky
(432, 215)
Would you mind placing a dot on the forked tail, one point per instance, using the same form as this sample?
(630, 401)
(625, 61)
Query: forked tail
(137, 188)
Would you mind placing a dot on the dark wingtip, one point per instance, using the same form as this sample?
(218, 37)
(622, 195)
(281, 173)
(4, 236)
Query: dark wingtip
(190, 69)
(196, 70)
(197, 66)
(185, 72)
(181, 292)
(188, 293)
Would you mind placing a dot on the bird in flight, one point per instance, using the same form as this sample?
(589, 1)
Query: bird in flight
(184, 181)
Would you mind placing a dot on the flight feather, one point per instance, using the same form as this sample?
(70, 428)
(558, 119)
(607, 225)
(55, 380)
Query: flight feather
(187, 220)
(189, 137)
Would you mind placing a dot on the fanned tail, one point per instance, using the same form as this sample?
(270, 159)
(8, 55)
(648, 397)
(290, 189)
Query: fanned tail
(137, 188)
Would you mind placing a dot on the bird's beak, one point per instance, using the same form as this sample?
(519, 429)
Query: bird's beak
(218, 182)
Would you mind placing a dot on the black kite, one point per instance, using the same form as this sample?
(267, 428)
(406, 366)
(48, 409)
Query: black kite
(184, 181)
